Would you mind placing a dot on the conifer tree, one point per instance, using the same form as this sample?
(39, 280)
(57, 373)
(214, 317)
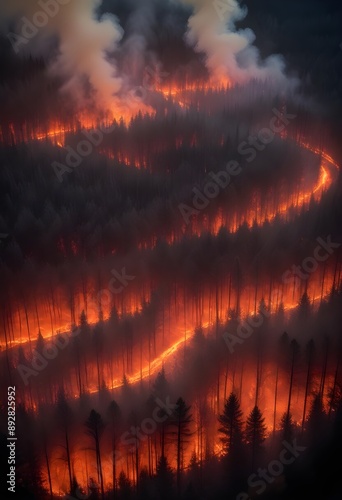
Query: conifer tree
(231, 424)
(255, 433)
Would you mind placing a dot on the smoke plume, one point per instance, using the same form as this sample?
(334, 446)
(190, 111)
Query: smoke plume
(230, 55)
(138, 31)
(84, 43)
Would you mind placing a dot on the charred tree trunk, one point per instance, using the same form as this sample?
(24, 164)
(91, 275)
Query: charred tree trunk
(308, 378)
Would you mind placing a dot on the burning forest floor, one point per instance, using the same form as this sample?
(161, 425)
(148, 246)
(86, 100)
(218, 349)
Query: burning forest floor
(174, 294)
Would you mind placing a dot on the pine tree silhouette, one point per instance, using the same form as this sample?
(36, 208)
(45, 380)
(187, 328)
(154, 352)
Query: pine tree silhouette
(304, 306)
(255, 433)
(315, 424)
(287, 427)
(164, 479)
(231, 424)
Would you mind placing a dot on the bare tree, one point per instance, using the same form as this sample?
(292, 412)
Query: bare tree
(180, 420)
(94, 428)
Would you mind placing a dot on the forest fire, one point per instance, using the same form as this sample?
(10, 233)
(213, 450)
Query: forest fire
(176, 320)
(148, 457)
(259, 215)
(56, 131)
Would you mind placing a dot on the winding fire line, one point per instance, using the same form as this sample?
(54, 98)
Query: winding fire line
(157, 364)
(327, 173)
(324, 182)
(57, 134)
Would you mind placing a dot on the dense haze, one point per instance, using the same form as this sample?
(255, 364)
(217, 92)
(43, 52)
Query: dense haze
(170, 249)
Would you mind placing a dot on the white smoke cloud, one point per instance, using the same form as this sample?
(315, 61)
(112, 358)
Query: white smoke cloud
(138, 30)
(84, 43)
(230, 54)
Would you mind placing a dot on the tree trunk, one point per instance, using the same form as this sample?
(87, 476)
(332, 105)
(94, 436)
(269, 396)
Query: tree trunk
(275, 400)
(307, 384)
